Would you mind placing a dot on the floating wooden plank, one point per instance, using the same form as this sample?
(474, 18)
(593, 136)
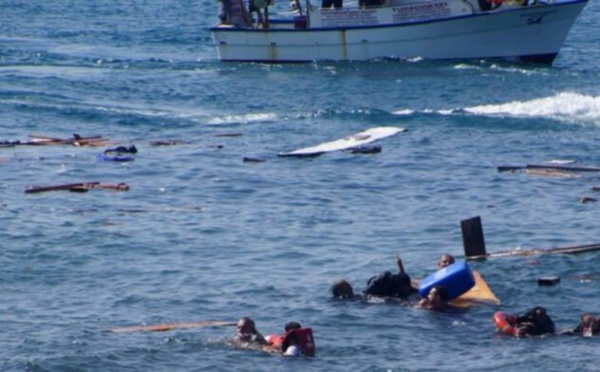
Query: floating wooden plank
(169, 143)
(552, 173)
(480, 292)
(170, 326)
(474, 244)
(77, 140)
(557, 167)
(77, 187)
(529, 252)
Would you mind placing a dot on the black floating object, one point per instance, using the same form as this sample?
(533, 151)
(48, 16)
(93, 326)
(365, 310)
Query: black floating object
(548, 280)
(122, 150)
(374, 149)
(253, 159)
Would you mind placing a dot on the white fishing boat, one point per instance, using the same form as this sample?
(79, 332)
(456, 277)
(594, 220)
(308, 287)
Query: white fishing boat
(402, 29)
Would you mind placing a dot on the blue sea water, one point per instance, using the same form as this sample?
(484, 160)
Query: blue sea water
(202, 235)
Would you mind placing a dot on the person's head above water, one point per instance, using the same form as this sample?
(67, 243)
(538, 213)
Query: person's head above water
(342, 289)
(246, 326)
(445, 260)
(438, 294)
(292, 325)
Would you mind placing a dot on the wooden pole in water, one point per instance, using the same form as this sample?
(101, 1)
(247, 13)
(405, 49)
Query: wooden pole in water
(473, 240)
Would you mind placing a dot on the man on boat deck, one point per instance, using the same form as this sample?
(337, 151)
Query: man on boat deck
(534, 322)
(233, 12)
(257, 6)
(247, 335)
(337, 4)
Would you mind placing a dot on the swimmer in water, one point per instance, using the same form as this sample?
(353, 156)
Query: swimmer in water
(436, 300)
(445, 260)
(247, 335)
(534, 322)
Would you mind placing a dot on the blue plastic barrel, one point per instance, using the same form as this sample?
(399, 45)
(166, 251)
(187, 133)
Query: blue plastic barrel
(456, 278)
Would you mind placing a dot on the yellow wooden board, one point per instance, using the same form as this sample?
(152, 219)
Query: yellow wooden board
(480, 292)
(170, 326)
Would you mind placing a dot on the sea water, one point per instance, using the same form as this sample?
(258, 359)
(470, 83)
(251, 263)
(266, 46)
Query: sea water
(203, 235)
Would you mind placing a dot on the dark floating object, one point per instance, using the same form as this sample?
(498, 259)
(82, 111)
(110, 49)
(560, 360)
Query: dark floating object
(548, 280)
(566, 168)
(235, 134)
(117, 158)
(587, 199)
(374, 149)
(77, 187)
(169, 143)
(77, 140)
(254, 159)
(474, 244)
(122, 150)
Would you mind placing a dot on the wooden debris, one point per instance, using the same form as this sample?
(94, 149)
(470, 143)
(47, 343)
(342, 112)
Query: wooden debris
(587, 199)
(77, 187)
(552, 173)
(253, 159)
(233, 134)
(169, 143)
(556, 167)
(77, 140)
(474, 244)
(170, 326)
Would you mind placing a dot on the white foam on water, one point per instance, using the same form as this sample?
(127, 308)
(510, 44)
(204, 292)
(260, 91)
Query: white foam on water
(244, 118)
(566, 107)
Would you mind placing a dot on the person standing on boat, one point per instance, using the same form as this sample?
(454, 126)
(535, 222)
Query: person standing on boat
(234, 12)
(327, 4)
(258, 7)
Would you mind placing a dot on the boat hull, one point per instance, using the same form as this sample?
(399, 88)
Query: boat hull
(532, 34)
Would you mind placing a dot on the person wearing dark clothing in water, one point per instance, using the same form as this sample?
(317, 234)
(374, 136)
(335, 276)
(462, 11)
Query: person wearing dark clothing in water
(588, 325)
(387, 284)
(534, 322)
(342, 290)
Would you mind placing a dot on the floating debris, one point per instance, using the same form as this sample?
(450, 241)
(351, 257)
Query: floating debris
(253, 159)
(77, 187)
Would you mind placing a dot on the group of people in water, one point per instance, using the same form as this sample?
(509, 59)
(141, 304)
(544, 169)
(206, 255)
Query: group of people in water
(533, 322)
(297, 341)
(397, 286)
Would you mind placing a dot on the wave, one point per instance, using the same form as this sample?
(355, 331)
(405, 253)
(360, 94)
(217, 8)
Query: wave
(566, 107)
